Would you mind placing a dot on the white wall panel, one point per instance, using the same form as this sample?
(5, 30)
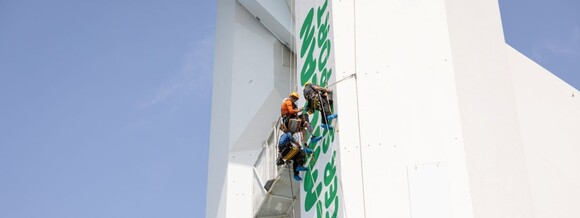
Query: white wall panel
(258, 58)
(219, 146)
(240, 184)
(429, 191)
(250, 81)
(491, 133)
(549, 115)
(407, 102)
(348, 146)
(498, 175)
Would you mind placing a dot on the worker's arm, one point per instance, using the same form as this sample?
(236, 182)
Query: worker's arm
(285, 138)
(320, 88)
(289, 107)
(295, 143)
(305, 108)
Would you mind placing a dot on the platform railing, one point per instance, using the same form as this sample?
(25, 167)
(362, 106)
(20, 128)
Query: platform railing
(265, 168)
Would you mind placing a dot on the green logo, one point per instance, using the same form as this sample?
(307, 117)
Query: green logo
(321, 188)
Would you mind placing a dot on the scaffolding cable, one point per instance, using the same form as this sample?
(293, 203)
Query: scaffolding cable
(343, 79)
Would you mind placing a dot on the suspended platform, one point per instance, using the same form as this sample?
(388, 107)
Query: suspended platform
(281, 193)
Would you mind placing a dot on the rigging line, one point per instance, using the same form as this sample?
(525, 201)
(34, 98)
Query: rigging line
(291, 67)
(334, 149)
(294, 85)
(332, 145)
(290, 179)
(291, 188)
(358, 110)
(360, 148)
(310, 170)
(298, 84)
(348, 77)
(293, 62)
(277, 139)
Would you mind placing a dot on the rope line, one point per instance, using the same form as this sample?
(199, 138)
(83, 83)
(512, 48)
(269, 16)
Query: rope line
(343, 79)
(294, 86)
(358, 111)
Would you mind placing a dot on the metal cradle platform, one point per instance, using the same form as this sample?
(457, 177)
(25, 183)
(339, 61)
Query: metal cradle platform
(282, 193)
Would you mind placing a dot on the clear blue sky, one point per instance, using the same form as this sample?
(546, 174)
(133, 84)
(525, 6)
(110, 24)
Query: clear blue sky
(548, 32)
(105, 105)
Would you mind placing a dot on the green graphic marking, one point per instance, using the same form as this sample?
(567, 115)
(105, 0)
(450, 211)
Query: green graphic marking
(321, 191)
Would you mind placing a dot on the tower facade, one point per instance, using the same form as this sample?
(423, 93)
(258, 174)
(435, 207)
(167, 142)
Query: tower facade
(438, 116)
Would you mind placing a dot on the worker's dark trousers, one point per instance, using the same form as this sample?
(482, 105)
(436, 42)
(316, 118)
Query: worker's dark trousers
(297, 160)
(325, 108)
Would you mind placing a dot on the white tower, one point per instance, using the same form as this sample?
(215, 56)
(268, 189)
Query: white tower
(438, 117)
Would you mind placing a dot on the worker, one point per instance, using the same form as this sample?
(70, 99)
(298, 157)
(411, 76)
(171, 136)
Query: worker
(320, 99)
(289, 149)
(289, 110)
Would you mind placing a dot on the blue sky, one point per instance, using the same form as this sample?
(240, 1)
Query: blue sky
(104, 105)
(548, 32)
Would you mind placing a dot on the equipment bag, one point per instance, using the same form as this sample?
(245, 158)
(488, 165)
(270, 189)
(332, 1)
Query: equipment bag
(291, 153)
(294, 125)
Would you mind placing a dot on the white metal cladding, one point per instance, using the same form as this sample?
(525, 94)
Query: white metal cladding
(549, 117)
(433, 84)
(400, 109)
(425, 82)
(275, 16)
(251, 77)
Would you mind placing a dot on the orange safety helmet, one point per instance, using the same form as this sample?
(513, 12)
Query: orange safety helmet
(295, 94)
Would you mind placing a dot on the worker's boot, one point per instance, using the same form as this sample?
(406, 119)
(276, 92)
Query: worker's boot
(332, 116)
(326, 126)
(315, 139)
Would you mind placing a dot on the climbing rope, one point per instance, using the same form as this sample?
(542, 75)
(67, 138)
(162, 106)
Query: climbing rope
(291, 186)
(323, 112)
(343, 79)
(332, 145)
